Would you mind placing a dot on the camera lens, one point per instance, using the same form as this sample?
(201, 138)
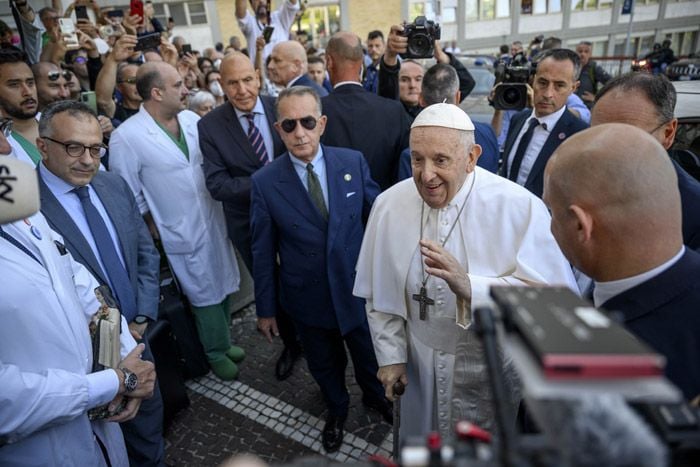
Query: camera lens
(511, 96)
(419, 45)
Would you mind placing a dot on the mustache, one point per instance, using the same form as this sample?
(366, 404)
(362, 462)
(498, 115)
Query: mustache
(30, 100)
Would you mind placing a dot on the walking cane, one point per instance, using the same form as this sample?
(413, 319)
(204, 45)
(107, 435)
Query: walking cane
(398, 389)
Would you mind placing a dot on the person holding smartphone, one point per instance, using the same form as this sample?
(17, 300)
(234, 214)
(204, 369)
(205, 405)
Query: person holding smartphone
(254, 25)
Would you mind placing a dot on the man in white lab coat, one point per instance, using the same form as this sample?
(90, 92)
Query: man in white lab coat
(432, 248)
(157, 153)
(46, 302)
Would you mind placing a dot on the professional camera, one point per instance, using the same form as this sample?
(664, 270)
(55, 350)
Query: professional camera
(513, 77)
(421, 36)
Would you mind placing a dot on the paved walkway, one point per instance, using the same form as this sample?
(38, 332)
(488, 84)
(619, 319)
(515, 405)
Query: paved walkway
(276, 420)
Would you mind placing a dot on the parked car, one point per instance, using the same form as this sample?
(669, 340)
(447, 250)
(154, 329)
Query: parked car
(686, 69)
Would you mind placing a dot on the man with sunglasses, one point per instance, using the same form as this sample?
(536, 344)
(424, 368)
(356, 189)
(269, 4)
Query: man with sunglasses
(96, 214)
(237, 139)
(308, 211)
(647, 101)
(52, 83)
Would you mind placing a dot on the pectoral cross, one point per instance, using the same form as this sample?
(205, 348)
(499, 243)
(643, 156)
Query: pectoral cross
(423, 300)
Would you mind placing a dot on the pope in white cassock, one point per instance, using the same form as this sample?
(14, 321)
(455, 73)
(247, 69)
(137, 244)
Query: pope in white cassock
(432, 248)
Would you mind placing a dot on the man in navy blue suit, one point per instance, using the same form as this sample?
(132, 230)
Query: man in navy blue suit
(289, 65)
(308, 212)
(647, 101)
(535, 133)
(627, 237)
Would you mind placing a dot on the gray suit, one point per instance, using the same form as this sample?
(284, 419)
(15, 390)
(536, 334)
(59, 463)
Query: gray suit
(143, 434)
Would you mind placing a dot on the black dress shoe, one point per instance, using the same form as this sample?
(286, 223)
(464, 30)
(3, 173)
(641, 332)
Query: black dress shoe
(384, 407)
(332, 435)
(285, 364)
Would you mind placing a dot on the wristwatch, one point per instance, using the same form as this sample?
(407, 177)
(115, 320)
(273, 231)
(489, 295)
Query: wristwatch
(141, 319)
(130, 380)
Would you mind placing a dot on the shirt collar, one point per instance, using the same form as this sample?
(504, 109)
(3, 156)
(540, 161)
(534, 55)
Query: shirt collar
(258, 110)
(56, 184)
(342, 83)
(294, 80)
(315, 161)
(550, 120)
(604, 291)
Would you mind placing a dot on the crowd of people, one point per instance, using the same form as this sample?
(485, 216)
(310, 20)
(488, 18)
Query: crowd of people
(372, 212)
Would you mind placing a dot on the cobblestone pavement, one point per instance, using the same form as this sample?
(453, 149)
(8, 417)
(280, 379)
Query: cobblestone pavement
(276, 420)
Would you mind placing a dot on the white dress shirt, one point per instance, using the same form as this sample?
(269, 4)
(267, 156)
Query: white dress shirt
(261, 122)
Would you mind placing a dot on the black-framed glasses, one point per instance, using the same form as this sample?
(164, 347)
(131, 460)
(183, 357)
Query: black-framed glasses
(77, 149)
(127, 80)
(290, 124)
(6, 126)
(657, 128)
(54, 75)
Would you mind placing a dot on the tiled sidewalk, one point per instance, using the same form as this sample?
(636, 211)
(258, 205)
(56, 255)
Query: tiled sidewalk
(278, 421)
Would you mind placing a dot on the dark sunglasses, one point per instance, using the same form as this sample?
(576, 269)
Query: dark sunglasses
(54, 75)
(290, 124)
(127, 80)
(6, 126)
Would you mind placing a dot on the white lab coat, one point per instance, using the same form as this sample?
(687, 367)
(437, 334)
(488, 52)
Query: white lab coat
(190, 222)
(45, 354)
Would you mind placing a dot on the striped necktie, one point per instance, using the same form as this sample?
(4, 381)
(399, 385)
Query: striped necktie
(256, 140)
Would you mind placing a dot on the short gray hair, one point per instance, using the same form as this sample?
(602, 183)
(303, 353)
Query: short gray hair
(299, 91)
(200, 98)
(74, 108)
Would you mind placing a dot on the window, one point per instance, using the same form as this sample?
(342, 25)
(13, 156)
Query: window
(483, 9)
(183, 13)
(539, 7)
(198, 14)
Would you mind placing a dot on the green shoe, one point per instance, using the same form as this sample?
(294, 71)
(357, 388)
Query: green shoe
(224, 368)
(235, 353)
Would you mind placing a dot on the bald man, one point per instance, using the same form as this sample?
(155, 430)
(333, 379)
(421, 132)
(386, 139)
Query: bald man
(361, 120)
(289, 65)
(647, 102)
(236, 140)
(627, 237)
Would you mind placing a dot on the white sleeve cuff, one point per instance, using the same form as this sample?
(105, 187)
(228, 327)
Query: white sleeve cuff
(102, 387)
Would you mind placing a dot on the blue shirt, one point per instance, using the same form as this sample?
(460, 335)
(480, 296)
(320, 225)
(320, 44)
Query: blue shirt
(261, 123)
(319, 163)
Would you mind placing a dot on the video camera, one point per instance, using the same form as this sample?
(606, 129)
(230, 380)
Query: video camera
(421, 35)
(513, 78)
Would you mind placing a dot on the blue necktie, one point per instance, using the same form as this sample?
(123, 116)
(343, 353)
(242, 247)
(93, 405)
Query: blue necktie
(16, 243)
(256, 140)
(115, 271)
(522, 147)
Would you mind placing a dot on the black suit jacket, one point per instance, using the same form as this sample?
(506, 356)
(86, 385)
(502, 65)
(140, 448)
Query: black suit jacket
(567, 125)
(373, 125)
(229, 161)
(138, 251)
(304, 80)
(664, 312)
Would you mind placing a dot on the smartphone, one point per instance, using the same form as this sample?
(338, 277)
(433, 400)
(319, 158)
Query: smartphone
(81, 12)
(136, 8)
(149, 41)
(267, 33)
(186, 49)
(116, 15)
(70, 37)
(88, 98)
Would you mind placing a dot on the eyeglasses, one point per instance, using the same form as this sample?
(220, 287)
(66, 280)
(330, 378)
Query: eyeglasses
(290, 124)
(6, 126)
(54, 75)
(655, 129)
(127, 80)
(77, 149)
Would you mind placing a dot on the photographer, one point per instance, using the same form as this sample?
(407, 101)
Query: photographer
(405, 84)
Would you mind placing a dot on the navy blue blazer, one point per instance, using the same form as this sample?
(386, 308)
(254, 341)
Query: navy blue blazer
(690, 205)
(229, 161)
(138, 251)
(483, 136)
(567, 125)
(664, 312)
(315, 273)
(305, 80)
(373, 125)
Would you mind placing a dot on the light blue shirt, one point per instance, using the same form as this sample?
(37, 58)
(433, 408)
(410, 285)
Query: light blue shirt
(63, 191)
(575, 103)
(319, 163)
(261, 123)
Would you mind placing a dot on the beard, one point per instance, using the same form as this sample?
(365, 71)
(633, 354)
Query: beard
(16, 112)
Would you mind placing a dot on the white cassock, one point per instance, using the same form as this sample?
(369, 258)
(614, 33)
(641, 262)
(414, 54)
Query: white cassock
(502, 237)
(46, 356)
(190, 222)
